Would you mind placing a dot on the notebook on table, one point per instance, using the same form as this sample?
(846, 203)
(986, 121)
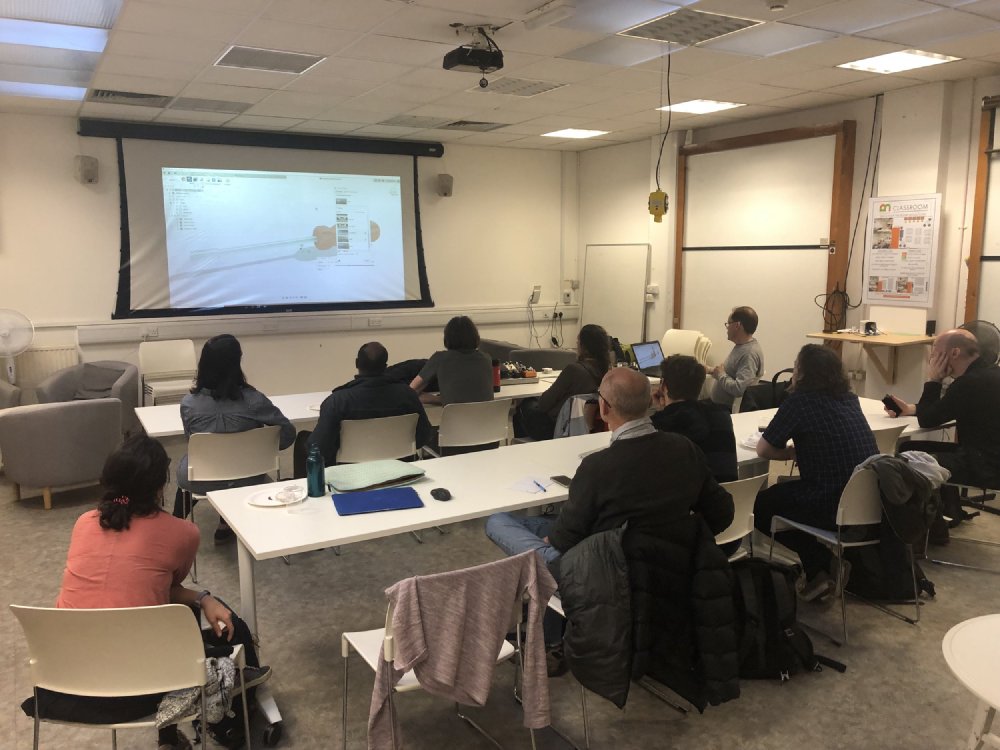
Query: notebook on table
(373, 501)
(648, 356)
(371, 475)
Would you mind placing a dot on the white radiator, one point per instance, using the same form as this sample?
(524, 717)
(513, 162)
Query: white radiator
(34, 365)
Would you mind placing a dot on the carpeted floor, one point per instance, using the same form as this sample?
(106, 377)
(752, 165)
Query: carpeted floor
(897, 692)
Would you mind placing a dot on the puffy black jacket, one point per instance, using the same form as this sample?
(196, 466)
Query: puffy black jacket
(679, 605)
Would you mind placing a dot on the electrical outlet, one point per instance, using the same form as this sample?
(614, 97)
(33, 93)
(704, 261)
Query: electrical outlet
(374, 322)
(567, 297)
(152, 332)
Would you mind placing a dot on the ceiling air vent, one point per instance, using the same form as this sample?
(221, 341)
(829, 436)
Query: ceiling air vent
(517, 87)
(209, 105)
(108, 96)
(689, 27)
(480, 127)
(276, 61)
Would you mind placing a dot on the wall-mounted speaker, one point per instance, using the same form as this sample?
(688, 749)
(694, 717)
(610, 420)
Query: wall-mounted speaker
(446, 185)
(85, 169)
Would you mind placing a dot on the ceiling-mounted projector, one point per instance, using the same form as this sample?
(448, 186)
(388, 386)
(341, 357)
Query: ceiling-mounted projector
(474, 59)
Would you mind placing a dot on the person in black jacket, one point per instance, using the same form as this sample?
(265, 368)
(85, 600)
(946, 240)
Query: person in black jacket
(707, 425)
(370, 395)
(650, 479)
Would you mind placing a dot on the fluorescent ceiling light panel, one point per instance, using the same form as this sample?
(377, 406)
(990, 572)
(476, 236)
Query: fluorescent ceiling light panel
(98, 14)
(701, 106)
(574, 133)
(42, 90)
(896, 62)
(58, 36)
(689, 27)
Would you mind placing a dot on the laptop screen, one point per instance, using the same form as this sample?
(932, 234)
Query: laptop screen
(647, 354)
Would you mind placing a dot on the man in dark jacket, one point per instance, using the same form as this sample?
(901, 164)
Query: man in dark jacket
(370, 395)
(650, 479)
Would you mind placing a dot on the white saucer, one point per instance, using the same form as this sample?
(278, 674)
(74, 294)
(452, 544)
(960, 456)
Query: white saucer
(271, 499)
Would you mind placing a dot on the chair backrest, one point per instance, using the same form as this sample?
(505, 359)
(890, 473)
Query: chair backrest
(377, 439)
(886, 437)
(10, 395)
(744, 494)
(557, 359)
(214, 456)
(113, 652)
(55, 445)
(474, 423)
(860, 502)
(692, 343)
(167, 359)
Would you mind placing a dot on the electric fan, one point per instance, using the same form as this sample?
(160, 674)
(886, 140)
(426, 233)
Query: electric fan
(16, 333)
(988, 336)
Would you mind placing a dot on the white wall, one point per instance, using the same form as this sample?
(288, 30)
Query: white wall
(502, 231)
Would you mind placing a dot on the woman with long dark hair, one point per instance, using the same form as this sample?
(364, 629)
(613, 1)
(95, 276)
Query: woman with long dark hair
(831, 436)
(223, 401)
(537, 418)
(461, 371)
(129, 553)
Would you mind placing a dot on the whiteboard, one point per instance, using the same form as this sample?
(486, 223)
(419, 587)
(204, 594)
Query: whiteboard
(779, 284)
(989, 281)
(774, 195)
(989, 297)
(614, 290)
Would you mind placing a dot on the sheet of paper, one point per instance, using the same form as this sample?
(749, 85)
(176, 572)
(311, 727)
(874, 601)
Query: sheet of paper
(532, 485)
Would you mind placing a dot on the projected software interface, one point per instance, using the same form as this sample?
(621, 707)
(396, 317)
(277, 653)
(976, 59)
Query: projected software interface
(271, 238)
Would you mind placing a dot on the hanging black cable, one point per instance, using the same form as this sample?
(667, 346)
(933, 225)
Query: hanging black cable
(666, 132)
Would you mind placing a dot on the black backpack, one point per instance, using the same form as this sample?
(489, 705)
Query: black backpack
(772, 644)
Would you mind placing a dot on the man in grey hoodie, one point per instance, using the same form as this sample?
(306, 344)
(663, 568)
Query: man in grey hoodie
(745, 364)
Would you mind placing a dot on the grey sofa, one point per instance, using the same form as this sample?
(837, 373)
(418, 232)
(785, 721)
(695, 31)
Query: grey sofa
(90, 380)
(61, 444)
(10, 395)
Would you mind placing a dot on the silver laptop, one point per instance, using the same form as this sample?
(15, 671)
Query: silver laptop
(648, 356)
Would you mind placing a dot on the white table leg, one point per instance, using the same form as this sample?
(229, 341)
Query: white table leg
(248, 593)
(982, 728)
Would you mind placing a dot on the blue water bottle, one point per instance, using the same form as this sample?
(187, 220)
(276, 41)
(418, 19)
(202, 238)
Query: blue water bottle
(315, 474)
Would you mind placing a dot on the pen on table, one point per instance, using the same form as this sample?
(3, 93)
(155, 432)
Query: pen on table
(539, 485)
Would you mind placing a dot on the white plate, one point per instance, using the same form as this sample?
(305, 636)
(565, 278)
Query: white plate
(270, 499)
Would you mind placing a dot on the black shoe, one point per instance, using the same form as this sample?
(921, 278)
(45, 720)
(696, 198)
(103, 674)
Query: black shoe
(254, 676)
(555, 661)
(224, 534)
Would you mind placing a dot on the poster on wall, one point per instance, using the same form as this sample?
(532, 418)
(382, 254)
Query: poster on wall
(901, 250)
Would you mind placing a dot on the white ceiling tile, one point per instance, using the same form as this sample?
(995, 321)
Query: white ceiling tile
(539, 142)
(263, 79)
(974, 45)
(439, 78)
(880, 85)
(578, 93)
(955, 71)
(809, 100)
(445, 136)
(436, 110)
(489, 139)
(765, 70)
(118, 111)
(296, 37)
(610, 18)
(343, 113)
(549, 41)
(932, 27)
(694, 61)
(137, 84)
(852, 16)
(631, 79)
(195, 22)
(755, 93)
(408, 95)
(359, 70)
(350, 15)
(395, 50)
(165, 47)
(324, 127)
(256, 122)
(246, 94)
(622, 106)
(144, 66)
(843, 49)
(769, 39)
(622, 51)
(820, 78)
(385, 131)
(292, 104)
(340, 87)
(759, 11)
(248, 7)
(558, 70)
(194, 118)
(988, 8)
(432, 25)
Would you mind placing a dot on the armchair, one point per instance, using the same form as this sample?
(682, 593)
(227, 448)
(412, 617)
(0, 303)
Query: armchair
(58, 445)
(90, 380)
(10, 395)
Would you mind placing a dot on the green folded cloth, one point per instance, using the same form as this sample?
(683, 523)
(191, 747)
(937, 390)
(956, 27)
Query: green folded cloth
(371, 475)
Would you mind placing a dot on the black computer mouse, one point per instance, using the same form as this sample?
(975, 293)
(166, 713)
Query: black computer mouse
(440, 493)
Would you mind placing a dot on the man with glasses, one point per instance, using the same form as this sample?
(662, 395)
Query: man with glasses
(649, 478)
(745, 364)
